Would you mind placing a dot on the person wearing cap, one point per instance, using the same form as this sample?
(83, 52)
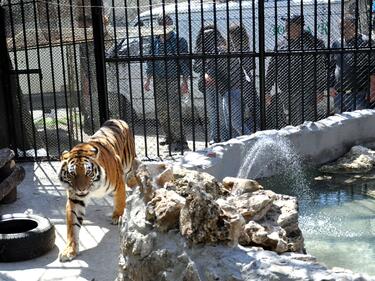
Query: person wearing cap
(352, 72)
(167, 74)
(301, 79)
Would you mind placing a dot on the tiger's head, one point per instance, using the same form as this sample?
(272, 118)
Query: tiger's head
(80, 172)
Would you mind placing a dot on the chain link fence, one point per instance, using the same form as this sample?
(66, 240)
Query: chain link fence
(184, 75)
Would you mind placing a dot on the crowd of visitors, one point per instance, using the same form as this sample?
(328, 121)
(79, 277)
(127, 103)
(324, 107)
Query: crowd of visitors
(300, 75)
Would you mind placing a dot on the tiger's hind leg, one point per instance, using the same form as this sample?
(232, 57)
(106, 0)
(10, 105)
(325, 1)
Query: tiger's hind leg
(118, 202)
(75, 211)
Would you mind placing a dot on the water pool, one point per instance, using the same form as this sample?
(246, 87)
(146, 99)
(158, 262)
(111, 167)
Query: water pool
(338, 223)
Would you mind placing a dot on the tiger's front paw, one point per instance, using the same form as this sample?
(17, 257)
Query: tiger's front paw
(68, 254)
(116, 219)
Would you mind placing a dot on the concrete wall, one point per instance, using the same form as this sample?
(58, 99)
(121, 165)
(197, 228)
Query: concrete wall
(315, 143)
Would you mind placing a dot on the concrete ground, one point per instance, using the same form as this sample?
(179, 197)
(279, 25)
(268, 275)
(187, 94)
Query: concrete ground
(99, 240)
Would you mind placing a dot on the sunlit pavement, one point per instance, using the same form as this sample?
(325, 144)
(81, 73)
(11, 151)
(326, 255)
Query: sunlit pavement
(99, 240)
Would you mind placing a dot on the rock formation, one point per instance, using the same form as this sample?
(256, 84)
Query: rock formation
(355, 167)
(358, 160)
(189, 227)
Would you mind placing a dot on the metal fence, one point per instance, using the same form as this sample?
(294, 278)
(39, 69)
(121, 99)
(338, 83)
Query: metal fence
(184, 75)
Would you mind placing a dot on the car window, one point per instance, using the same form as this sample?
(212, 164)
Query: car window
(147, 22)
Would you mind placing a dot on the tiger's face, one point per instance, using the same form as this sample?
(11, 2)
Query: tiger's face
(79, 171)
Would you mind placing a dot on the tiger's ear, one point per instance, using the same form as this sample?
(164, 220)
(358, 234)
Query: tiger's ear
(93, 152)
(65, 155)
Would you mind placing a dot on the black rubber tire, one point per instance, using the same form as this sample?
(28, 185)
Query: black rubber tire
(24, 237)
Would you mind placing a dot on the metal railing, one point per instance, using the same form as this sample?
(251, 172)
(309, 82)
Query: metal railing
(184, 75)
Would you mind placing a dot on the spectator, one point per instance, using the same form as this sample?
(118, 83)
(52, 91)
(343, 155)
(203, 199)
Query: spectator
(166, 77)
(301, 79)
(351, 71)
(210, 41)
(243, 95)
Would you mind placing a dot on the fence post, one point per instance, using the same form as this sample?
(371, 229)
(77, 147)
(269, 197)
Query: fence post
(262, 65)
(7, 135)
(98, 34)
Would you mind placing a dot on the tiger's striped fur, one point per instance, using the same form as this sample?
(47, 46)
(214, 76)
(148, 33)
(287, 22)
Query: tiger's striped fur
(94, 169)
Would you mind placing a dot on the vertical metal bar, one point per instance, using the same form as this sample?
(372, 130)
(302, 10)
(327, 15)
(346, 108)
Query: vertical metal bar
(64, 76)
(341, 54)
(116, 63)
(216, 52)
(105, 40)
(191, 76)
(153, 74)
(88, 66)
(6, 80)
(241, 52)
(369, 57)
(328, 111)
(356, 90)
(229, 64)
(75, 60)
(255, 94)
(302, 65)
(203, 52)
(18, 91)
(178, 61)
(28, 76)
(315, 59)
(53, 77)
(276, 104)
(40, 80)
(289, 69)
(98, 34)
(166, 74)
(262, 65)
(141, 72)
(129, 65)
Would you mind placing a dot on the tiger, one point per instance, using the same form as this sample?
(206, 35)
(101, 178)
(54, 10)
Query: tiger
(93, 169)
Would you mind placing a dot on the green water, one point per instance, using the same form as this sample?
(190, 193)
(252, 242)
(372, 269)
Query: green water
(338, 223)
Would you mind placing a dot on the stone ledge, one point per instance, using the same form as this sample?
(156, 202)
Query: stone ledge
(316, 143)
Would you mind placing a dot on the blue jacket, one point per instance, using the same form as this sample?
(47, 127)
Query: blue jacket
(169, 66)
